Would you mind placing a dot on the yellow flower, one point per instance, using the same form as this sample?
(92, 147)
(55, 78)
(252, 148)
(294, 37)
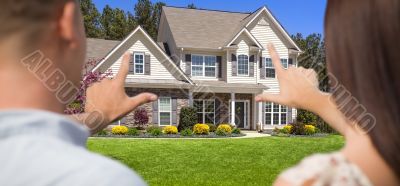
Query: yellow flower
(119, 130)
(170, 130)
(201, 129)
(225, 128)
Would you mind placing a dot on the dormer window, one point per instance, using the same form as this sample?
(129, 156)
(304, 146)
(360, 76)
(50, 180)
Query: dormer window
(203, 66)
(139, 63)
(243, 65)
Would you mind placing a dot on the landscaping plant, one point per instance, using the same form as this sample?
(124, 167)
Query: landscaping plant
(309, 129)
(226, 128)
(186, 132)
(133, 132)
(201, 129)
(170, 130)
(187, 118)
(212, 127)
(236, 131)
(119, 130)
(140, 117)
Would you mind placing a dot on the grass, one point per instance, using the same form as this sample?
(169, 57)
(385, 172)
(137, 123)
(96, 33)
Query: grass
(255, 161)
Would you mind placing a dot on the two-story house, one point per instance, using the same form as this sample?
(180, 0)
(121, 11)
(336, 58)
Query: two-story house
(213, 60)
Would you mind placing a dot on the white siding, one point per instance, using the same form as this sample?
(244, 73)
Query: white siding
(265, 35)
(244, 43)
(157, 70)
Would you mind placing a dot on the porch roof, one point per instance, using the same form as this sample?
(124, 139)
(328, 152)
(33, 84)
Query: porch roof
(156, 83)
(224, 87)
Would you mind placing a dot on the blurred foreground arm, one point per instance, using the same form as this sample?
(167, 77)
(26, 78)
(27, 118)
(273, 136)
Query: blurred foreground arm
(106, 101)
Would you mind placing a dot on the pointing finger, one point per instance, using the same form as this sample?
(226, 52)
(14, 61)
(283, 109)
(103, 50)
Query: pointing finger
(276, 60)
(124, 69)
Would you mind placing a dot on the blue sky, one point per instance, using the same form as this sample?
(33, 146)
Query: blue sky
(297, 16)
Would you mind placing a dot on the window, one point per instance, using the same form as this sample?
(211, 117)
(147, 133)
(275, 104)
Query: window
(139, 63)
(243, 65)
(275, 114)
(203, 65)
(270, 69)
(205, 111)
(164, 110)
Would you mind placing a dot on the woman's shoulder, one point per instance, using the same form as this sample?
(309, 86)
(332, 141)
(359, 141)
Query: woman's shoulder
(325, 169)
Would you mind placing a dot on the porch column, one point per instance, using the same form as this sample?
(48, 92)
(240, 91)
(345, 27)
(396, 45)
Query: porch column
(190, 98)
(260, 115)
(233, 109)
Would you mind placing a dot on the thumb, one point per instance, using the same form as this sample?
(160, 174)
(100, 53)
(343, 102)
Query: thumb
(141, 99)
(276, 98)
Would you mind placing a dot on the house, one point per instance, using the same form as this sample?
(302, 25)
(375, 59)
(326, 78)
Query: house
(213, 60)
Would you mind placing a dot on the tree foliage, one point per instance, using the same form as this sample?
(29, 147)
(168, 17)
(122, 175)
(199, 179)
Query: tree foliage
(91, 19)
(192, 6)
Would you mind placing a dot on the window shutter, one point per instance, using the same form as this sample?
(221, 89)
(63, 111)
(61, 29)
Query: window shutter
(217, 111)
(155, 112)
(219, 66)
(289, 115)
(188, 62)
(262, 69)
(290, 61)
(174, 114)
(132, 65)
(234, 65)
(251, 66)
(147, 65)
(260, 63)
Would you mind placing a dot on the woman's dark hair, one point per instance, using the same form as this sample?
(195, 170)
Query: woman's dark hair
(363, 53)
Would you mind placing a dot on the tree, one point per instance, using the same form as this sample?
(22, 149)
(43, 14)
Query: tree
(157, 9)
(118, 25)
(106, 21)
(143, 13)
(192, 6)
(91, 19)
(130, 23)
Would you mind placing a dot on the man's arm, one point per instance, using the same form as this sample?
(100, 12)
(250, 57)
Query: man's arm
(107, 100)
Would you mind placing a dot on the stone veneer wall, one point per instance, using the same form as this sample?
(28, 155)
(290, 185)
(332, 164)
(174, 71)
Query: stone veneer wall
(181, 95)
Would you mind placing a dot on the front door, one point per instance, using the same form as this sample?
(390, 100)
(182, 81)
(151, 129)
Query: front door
(240, 112)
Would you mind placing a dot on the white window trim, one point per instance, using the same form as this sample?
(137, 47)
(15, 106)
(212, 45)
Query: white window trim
(287, 64)
(203, 66)
(279, 117)
(134, 62)
(248, 66)
(159, 111)
(204, 109)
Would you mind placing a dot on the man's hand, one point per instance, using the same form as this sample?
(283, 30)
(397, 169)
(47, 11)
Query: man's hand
(107, 100)
(298, 86)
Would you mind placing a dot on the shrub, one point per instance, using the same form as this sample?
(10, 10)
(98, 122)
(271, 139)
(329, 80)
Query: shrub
(309, 130)
(187, 118)
(304, 116)
(225, 128)
(154, 131)
(140, 117)
(102, 133)
(276, 130)
(287, 129)
(133, 132)
(201, 129)
(119, 130)
(220, 133)
(212, 127)
(297, 128)
(236, 131)
(170, 130)
(186, 132)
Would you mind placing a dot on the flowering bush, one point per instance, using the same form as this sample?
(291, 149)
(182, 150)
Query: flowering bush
(201, 129)
(309, 130)
(287, 129)
(170, 130)
(119, 130)
(89, 77)
(226, 128)
(140, 117)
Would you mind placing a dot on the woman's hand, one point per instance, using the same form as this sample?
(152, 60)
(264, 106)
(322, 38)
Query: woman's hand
(107, 100)
(298, 86)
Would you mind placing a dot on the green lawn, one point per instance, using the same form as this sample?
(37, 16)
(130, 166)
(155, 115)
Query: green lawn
(255, 161)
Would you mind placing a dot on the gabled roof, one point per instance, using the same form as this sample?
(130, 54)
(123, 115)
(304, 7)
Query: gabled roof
(123, 46)
(245, 31)
(212, 29)
(197, 28)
